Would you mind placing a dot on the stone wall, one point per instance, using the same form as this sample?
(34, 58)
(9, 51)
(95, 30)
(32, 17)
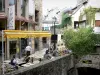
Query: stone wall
(58, 66)
(94, 61)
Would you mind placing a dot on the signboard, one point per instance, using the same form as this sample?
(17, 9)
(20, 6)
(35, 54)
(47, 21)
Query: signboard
(11, 17)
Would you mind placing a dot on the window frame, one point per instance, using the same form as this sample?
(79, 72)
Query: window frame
(2, 6)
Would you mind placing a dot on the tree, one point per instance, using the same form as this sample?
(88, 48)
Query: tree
(81, 42)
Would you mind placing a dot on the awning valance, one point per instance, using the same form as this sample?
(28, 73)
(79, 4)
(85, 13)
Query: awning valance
(25, 34)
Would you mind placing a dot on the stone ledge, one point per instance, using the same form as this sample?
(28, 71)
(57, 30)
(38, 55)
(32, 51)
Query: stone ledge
(55, 65)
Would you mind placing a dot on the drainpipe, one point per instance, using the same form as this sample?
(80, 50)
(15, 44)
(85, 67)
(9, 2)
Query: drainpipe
(3, 51)
(20, 52)
(29, 39)
(7, 41)
(54, 32)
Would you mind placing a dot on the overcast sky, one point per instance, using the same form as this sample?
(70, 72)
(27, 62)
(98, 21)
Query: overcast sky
(49, 4)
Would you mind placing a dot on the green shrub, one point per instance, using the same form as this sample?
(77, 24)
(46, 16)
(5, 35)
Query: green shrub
(81, 42)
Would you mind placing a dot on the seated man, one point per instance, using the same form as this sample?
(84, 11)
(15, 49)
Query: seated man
(55, 53)
(27, 59)
(14, 62)
(47, 55)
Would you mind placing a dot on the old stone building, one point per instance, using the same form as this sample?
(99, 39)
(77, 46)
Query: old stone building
(38, 19)
(23, 21)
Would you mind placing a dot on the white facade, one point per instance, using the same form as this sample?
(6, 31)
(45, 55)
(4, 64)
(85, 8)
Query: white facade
(97, 16)
(92, 3)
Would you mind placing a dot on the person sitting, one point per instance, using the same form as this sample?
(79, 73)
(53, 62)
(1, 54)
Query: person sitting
(51, 51)
(55, 53)
(27, 59)
(28, 50)
(14, 62)
(47, 55)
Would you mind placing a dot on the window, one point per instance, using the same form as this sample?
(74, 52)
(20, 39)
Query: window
(2, 5)
(36, 15)
(44, 39)
(61, 36)
(23, 7)
(2, 26)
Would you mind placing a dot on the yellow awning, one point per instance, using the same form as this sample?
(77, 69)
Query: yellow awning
(25, 34)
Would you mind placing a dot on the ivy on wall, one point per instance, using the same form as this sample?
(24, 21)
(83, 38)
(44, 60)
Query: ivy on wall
(90, 15)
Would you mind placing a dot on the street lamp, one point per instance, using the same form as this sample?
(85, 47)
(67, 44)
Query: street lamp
(54, 40)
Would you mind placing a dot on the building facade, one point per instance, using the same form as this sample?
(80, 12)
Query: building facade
(38, 19)
(23, 21)
(82, 20)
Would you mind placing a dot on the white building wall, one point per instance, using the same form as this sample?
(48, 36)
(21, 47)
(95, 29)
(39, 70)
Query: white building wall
(97, 16)
(92, 3)
(84, 17)
(77, 14)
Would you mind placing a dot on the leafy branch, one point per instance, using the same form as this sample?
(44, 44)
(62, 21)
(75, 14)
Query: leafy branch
(81, 42)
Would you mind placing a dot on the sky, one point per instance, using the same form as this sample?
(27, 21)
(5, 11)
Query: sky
(57, 5)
